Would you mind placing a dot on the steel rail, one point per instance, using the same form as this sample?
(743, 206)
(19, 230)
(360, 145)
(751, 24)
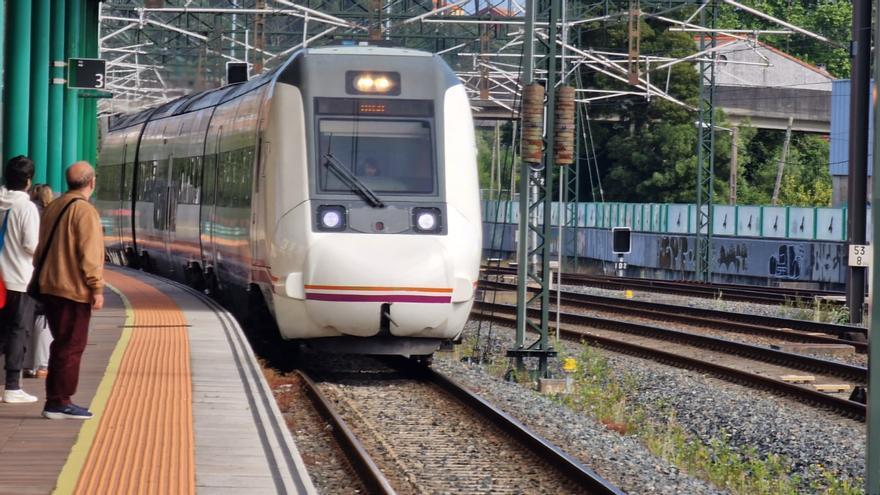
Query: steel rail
(734, 292)
(576, 471)
(370, 474)
(856, 374)
(846, 407)
(782, 328)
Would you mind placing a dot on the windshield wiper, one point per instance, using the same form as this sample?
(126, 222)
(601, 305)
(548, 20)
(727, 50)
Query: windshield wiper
(352, 181)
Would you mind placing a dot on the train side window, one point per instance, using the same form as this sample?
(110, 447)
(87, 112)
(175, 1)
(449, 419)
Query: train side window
(208, 170)
(247, 175)
(195, 180)
(186, 180)
(108, 183)
(225, 177)
(126, 182)
(146, 178)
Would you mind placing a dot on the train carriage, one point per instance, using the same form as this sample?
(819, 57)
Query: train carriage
(340, 188)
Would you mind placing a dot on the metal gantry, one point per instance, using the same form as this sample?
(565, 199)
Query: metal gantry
(706, 142)
(536, 194)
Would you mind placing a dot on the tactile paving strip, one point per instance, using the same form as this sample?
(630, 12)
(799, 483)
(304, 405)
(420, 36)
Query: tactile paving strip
(144, 442)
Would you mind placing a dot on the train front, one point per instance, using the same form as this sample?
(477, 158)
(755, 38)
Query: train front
(377, 243)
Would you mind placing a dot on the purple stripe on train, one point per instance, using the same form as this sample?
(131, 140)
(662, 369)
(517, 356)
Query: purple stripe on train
(388, 298)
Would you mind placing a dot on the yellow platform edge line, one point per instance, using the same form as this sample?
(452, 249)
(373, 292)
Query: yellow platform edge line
(72, 469)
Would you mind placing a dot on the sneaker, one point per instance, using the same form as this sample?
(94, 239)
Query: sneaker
(42, 373)
(28, 373)
(70, 411)
(18, 397)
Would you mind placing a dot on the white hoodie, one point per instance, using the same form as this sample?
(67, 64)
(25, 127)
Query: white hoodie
(22, 235)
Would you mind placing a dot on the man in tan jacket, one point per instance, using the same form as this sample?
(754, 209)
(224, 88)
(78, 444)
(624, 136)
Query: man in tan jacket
(71, 280)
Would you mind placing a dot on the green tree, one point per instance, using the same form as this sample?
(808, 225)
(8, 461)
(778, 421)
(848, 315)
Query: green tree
(807, 179)
(648, 149)
(830, 18)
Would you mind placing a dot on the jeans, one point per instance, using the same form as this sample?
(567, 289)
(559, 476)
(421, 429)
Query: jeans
(16, 324)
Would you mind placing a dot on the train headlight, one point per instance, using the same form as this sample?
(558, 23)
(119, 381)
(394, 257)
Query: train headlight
(331, 218)
(426, 220)
(372, 82)
(381, 84)
(364, 83)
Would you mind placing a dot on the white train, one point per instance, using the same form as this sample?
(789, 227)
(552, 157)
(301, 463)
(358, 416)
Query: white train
(340, 189)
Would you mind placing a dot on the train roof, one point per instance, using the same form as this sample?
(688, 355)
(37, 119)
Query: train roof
(367, 50)
(212, 97)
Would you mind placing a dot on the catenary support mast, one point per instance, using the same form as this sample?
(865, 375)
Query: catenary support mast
(872, 462)
(706, 143)
(539, 178)
(858, 150)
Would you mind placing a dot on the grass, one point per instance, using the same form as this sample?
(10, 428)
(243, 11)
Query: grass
(818, 310)
(603, 394)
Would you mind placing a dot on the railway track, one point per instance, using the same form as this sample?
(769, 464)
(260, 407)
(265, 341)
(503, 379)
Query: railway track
(406, 428)
(752, 365)
(785, 329)
(731, 292)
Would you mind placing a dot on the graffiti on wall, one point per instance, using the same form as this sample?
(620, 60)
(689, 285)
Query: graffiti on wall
(819, 261)
(674, 253)
(787, 262)
(827, 262)
(733, 259)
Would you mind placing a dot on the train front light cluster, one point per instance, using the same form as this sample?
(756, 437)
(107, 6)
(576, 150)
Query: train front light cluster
(368, 83)
(385, 83)
(331, 218)
(427, 220)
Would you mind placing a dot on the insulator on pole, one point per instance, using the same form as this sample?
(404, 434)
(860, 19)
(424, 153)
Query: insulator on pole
(533, 123)
(564, 131)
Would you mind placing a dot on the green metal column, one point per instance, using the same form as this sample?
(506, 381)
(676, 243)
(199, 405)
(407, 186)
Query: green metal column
(72, 122)
(88, 142)
(39, 103)
(2, 61)
(80, 103)
(54, 163)
(17, 86)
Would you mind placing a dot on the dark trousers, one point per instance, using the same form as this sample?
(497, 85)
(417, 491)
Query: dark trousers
(16, 325)
(69, 324)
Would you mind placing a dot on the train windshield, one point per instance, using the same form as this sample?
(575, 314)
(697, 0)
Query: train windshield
(387, 156)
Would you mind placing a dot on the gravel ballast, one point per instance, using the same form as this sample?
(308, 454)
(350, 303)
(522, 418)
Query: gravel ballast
(706, 407)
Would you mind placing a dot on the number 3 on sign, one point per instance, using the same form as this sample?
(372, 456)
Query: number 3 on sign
(99, 81)
(860, 255)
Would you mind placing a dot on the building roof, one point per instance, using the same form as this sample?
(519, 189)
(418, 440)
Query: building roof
(752, 63)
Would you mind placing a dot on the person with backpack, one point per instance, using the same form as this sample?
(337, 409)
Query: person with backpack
(19, 235)
(69, 280)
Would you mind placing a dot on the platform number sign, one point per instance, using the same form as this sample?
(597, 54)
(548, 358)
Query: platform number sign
(860, 255)
(86, 73)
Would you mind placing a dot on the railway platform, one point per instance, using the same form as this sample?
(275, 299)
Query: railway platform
(179, 400)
